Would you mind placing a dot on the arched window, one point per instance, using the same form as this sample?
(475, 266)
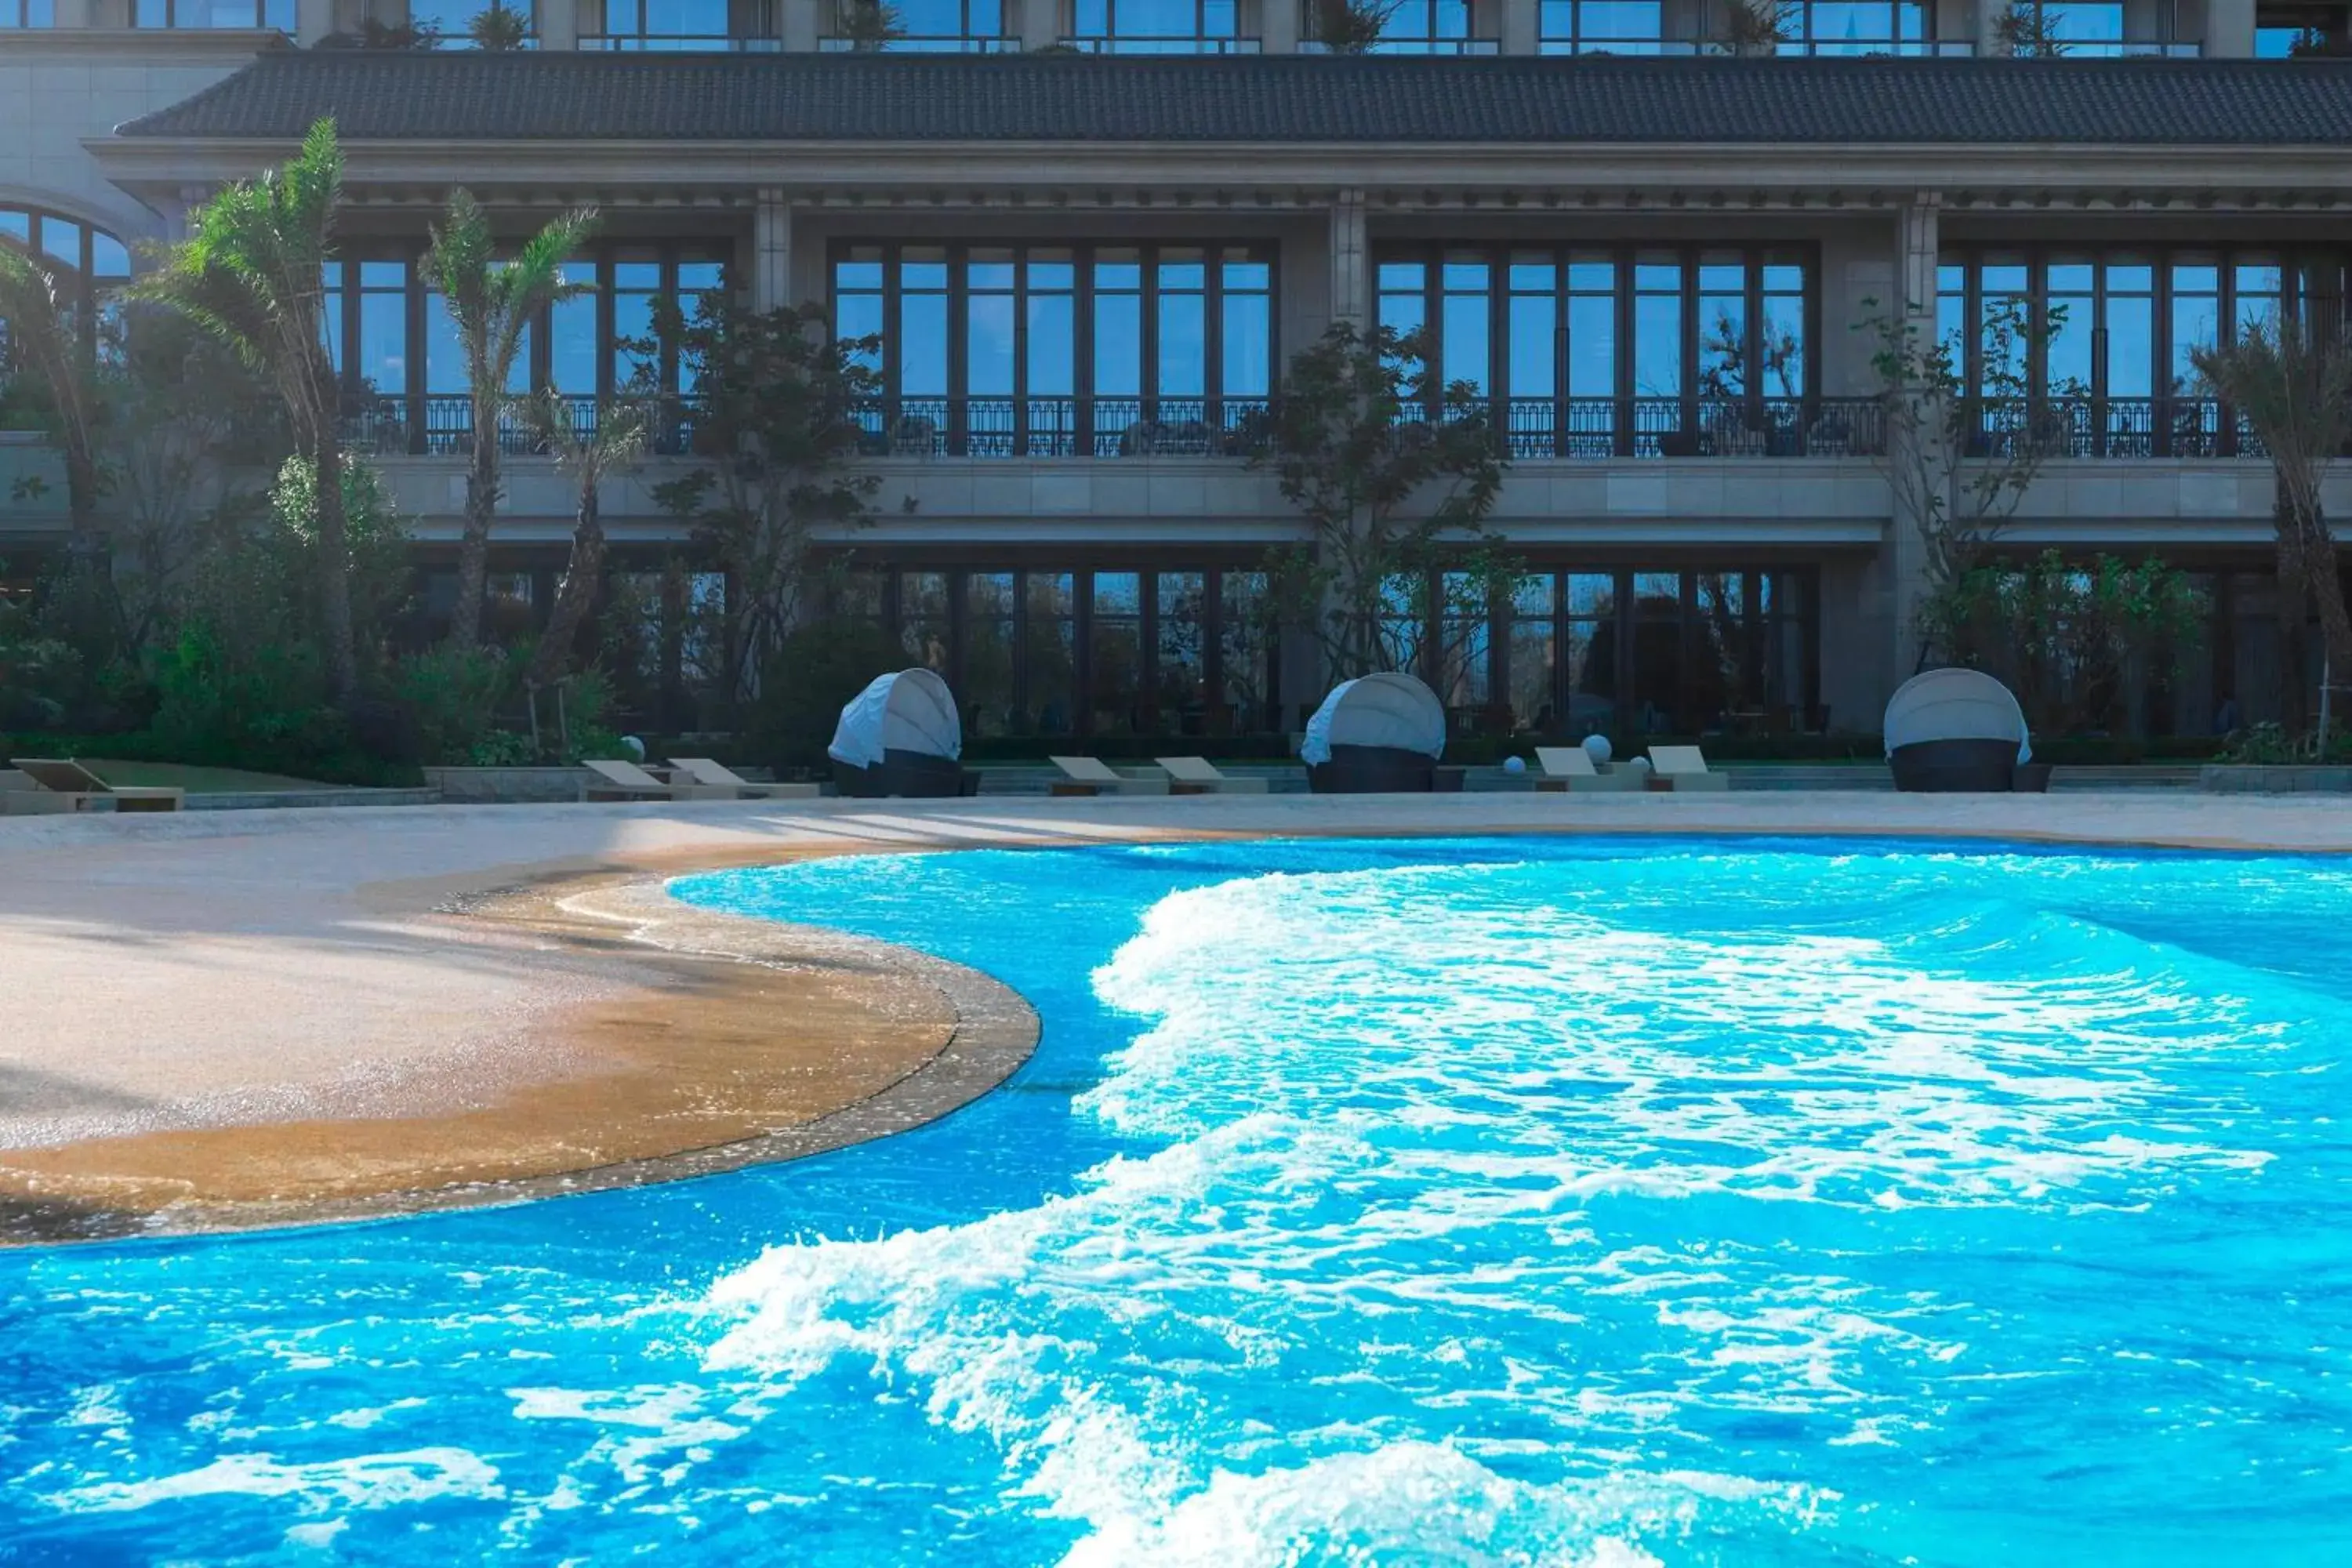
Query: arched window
(90, 263)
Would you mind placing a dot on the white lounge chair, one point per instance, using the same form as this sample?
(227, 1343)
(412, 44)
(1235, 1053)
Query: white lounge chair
(626, 781)
(1569, 770)
(1198, 776)
(61, 785)
(1683, 769)
(1092, 775)
(719, 776)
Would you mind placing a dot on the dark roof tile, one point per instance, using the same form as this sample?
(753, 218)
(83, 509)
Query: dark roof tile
(1300, 98)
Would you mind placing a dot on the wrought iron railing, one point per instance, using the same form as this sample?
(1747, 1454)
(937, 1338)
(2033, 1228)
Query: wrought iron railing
(680, 43)
(1059, 427)
(2110, 427)
(925, 44)
(1106, 45)
(442, 425)
(1598, 428)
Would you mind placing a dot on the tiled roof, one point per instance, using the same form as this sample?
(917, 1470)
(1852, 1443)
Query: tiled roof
(391, 96)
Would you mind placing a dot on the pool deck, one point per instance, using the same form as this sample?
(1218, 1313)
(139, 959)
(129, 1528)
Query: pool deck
(228, 1020)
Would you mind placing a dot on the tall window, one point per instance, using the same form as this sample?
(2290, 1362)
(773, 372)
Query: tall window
(1868, 27)
(90, 262)
(27, 14)
(2091, 27)
(1027, 350)
(938, 26)
(1163, 27)
(449, 21)
(220, 15)
(2101, 342)
(1416, 27)
(1617, 27)
(403, 368)
(1595, 353)
(640, 25)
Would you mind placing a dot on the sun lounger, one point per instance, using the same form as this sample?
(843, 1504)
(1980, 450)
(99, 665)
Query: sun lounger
(719, 776)
(1092, 775)
(1682, 769)
(87, 791)
(1569, 770)
(1198, 776)
(626, 781)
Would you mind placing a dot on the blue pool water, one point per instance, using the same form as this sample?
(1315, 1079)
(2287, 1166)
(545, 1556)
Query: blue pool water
(1476, 1202)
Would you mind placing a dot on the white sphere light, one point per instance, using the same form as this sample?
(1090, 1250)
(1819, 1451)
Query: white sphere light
(635, 747)
(1598, 748)
(1639, 764)
(1514, 764)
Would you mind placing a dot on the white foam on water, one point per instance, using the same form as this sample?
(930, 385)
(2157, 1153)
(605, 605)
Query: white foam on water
(361, 1482)
(1402, 1113)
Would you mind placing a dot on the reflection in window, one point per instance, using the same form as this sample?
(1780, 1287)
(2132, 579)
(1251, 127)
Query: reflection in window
(925, 619)
(1617, 27)
(1115, 653)
(1414, 27)
(1245, 648)
(1180, 659)
(991, 630)
(1161, 27)
(27, 14)
(641, 25)
(1049, 646)
(88, 263)
(1179, 344)
(215, 14)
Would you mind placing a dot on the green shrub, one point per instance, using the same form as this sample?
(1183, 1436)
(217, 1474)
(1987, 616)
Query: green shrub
(818, 666)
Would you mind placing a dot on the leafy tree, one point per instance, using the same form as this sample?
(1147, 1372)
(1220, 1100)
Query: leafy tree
(2072, 641)
(2290, 385)
(1352, 26)
(2029, 31)
(1754, 27)
(777, 400)
(251, 274)
(870, 25)
(44, 328)
(492, 304)
(499, 28)
(1960, 465)
(613, 444)
(1389, 492)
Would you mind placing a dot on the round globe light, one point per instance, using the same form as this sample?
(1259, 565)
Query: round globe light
(1598, 748)
(635, 747)
(1514, 764)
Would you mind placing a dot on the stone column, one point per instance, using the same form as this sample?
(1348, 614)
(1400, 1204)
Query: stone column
(1989, 16)
(76, 13)
(1914, 473)
(804, 22)
(1522, 26)
(1277, 26)
(1351, 278)
(1041, 23)
(772, 252)
(2229, 29)
(558, 23)
(313, 20)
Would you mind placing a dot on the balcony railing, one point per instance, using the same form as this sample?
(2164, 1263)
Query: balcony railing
(1828, 48)
(2126, 428)
(1599, 428)
(1390, 46)
(1060, 427)
(442, 425)
(680, 43)
(1162, 46)
(932, 44)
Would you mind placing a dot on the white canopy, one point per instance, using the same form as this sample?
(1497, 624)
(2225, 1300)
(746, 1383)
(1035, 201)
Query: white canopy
(1389, 710)
(907, 711)
(1954, 705)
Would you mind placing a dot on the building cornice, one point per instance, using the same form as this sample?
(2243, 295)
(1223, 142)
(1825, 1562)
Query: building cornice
(138, 45)
(1394, 176)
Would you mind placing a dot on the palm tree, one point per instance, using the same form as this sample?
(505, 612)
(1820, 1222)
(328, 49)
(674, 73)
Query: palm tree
(2290, 385)
(498, 28)
(44, 328)
(251, 273)
(611, 445)
(492, 305)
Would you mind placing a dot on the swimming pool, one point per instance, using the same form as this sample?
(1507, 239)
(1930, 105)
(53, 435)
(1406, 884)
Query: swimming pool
(1468, 1202)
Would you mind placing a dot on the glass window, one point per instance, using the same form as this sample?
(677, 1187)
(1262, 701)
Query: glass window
(1179, 662)
(1049, 647)
(1588, 652)
(1245, 643)
(1657, 326)
(922, 343)
(1610, 26)
(990, 631)
(217, 15)
(1532, 652)
(1115, 653)
(664, 24)
(1465, 646)
(333, 295)
(27, 14)
(383, 326)
(1657, 685)
(1781, 334)
(572, 355)
(2196, 315)
(925, 618)
(1156, 26)
(1404, 622)
(1722, 326)
(1467, 321)
(933, 24)
(1183, 324)
(1247, 330)
(1720, 685)
(1118, 323)
(636, 284)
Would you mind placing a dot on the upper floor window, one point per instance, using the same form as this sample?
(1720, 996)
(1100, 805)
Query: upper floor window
(1617, 27)
(2297, 28)
(1867, 27)
(1164, 27)
(2095, 27)
(1596, 351)
(449, 24)
(27, 14)
(2108, 339)
(930, 27)
(1407, 28)
(89, 260)
(216, 14)
(679, 25)
(1006, 350)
